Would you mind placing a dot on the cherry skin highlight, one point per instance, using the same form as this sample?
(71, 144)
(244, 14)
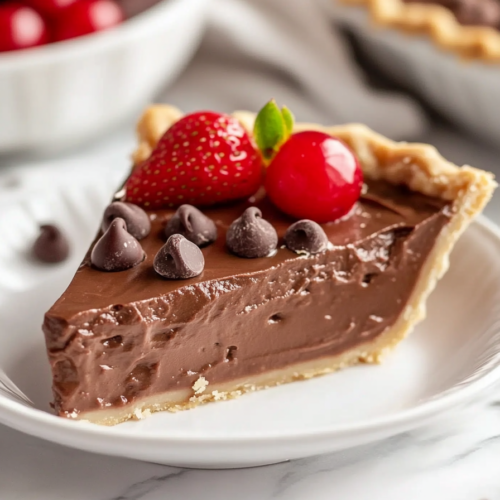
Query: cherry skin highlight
(21, 27)
(85, 17)
(49, 8)
(314, 176)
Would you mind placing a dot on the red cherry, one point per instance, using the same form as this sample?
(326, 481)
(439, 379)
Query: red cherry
(85, 17)
(49, 8)
(21, 27)
(314, 176)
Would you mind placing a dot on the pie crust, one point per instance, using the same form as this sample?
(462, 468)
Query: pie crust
(471, 42)
(420, 168)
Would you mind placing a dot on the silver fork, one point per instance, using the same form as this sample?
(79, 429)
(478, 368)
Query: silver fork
(11, 391)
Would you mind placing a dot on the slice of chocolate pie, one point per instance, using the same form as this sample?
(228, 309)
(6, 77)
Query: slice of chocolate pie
(201, 287)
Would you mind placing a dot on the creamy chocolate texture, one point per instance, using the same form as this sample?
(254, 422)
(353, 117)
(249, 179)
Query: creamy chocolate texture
(114, 338)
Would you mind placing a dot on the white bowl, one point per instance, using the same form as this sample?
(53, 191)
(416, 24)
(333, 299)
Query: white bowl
(465, 92)
(54, 96)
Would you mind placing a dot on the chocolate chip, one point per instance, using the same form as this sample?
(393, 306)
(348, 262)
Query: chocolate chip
(137, 220)
(251, 236)
(193, 225)
(179, 258)
(51, 245)
(117, 249)
(306, 236)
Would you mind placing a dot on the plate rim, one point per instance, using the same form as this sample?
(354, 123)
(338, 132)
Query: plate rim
(32, 421)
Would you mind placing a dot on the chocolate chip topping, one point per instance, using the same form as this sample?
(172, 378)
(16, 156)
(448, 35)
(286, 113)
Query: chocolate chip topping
(137, 220)
(179, 258)
(51, 245)
(117, 249)
(193, 225)
(251, 236)
(306, 236)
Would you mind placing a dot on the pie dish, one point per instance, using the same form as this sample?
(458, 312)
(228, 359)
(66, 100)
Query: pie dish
(127, 343)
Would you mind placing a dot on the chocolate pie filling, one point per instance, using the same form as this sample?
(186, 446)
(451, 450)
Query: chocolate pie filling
(114, 337)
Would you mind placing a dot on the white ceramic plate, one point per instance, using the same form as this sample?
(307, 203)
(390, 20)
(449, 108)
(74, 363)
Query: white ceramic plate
(463, 91)
(449, 358)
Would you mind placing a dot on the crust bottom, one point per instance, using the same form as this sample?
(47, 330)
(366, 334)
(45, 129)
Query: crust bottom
(204, 392)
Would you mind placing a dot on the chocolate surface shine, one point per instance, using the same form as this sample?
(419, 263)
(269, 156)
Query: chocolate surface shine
(140, 335)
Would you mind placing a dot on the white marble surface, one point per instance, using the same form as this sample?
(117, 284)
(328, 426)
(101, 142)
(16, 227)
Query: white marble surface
(455, 459)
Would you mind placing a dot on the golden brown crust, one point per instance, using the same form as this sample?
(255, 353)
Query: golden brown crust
(438, 22)
(153, 123)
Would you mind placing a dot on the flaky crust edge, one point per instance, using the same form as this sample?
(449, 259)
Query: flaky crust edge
(439, 23)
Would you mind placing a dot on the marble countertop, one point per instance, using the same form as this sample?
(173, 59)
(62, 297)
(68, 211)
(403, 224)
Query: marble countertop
(454, 459)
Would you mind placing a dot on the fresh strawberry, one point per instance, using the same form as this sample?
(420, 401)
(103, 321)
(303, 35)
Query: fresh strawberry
(203, 159)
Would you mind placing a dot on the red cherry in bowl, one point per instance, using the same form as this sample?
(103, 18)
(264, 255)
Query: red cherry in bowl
(49, 8)
(314, 176)
(85, 17)
(21, 27)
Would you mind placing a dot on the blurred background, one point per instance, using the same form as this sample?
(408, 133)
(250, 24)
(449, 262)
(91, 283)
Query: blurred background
(75, 74)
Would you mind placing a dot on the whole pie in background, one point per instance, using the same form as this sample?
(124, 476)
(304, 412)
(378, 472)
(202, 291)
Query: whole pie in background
(470, 28)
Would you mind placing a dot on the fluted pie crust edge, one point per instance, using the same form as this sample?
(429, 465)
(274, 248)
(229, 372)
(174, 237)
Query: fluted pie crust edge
(436, 21)
(418, 166)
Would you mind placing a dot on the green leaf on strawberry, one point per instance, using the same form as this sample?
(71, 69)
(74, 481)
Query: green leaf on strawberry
(272, 129)
(288, 120)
